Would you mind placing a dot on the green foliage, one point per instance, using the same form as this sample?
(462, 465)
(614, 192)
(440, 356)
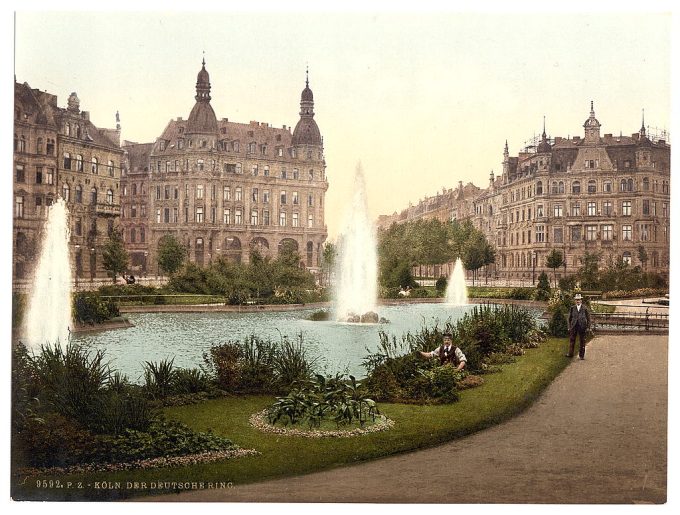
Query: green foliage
(521, 294)
(543, 287)
(441, 284)
(91, 308)
(190, 380)
(114, 255)
(588, 274)
(171, 254)
(558, 323)
(258, 366)
(554, 260)
(159, 378)
(324, 398)
(567, 283)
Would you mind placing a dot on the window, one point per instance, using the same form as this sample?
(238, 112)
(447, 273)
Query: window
(200, 164)
(296, 220)
(38, 175)
(67, 161)
(79, 194)
(39, 146)
(591, 232)
(253, 217)
(607, 232)
(133, 235)
(255, 171)
(266, 170)
(592, 187)
(255, 195)
(238, 217)
(310, 221)
(227, 216)
(626, 258)
(19, 207)
(645, 184)
(110, 168)
(239, 169)
(199, 191)
(95, 165)
(50, 147)
(265, 196)
(664, 209)
(20, 173)
(645, 207)
(284, 174)
(158, 192)
(66, 192)
(22, 144)
(252, 147)
(575, 233)
(310, 200)
(557, 210)
(539, 210)
(296, 174)
(166, 191)
(199, 214)
(576, 209)
(645, 229)
(560, 187)
(555, 189)
(79, 227)
(592, 208)
(93, 196)
(282, 219)
(627, 232)
(558, 235)
(539, 188)
(283, 197)
(133, 211)
(239, 194)
(226, 195)
(576, 187)
(296, 200)
(279, 151)
(607, 208)
(626, 207)
(213, 215)
(166, 215)
(109, 196)
(607, 186)
(311, 175)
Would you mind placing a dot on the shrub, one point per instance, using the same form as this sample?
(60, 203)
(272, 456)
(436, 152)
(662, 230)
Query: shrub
(257, 365)
(420, 293)
(159, 378)
(558, 323)
(568, 283)
(89, 308)
(222, 363)
(190, 380)
(320, 316)
(521, 294)
(441, 284)
(291, 363)
(543, 287)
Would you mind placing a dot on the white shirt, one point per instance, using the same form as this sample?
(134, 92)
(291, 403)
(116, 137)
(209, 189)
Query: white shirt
(578, 307)
(459, 353)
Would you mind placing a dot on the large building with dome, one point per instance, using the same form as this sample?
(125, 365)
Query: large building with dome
(224, 188)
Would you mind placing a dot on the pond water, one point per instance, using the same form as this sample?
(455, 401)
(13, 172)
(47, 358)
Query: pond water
(185, 336)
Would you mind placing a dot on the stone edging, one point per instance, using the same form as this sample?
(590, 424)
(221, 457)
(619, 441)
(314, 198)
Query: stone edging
(162, 461)
(259, 421)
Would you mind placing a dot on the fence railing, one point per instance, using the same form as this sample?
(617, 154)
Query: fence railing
(640, 321)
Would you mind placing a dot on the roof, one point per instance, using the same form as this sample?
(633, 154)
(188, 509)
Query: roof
(306, 132)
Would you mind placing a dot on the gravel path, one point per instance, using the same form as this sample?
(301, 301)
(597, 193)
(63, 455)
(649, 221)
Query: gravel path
(596, 435)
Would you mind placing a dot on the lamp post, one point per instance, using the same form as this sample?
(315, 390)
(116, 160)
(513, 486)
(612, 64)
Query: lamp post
(533, 268)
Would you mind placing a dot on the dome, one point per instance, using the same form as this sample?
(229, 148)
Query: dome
(307, 95)
(203, 76)
(306, 132)
(202, 119)
(544, 146)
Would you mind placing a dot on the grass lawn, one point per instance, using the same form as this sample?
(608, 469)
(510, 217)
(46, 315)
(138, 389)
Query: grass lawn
(502, 395)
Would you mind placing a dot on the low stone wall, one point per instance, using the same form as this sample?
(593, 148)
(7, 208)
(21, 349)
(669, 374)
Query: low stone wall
(219, 308)
(120, 323)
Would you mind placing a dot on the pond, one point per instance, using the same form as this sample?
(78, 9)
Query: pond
(186, 336)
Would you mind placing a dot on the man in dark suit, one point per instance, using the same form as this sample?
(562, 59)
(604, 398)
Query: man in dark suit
(579, 322)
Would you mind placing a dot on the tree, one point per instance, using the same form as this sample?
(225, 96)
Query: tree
(171, 254)
(477, 253)
(330, 253)
(589, 271)
(114, 255)
(543, 287)
(554, 260)
(643, 256)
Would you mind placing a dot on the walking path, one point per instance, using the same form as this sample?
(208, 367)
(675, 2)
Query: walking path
(596, 435)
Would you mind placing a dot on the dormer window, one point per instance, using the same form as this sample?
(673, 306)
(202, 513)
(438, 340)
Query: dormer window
(162, 145)
(252, 147)
(180, 144)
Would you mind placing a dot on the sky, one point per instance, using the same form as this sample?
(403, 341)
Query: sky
(422, 99)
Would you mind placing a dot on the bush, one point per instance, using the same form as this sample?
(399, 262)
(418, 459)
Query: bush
(190, 380)
(543, 287)
(521, 294)
(291, 363)
(420, 293)
(558, 323)
(89, 308)
(159, 378)
(222, 364)
(568, 283)
(441, 284)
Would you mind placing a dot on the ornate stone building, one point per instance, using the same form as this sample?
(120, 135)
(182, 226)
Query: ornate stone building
(608, 195)
(598, 194)
(223, 188)
(58, 152)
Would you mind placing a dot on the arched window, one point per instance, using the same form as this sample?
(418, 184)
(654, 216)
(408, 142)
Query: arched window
(67, 129)
(592, 186)
(133, 235)
(109, 196)
(624, 185)
(95, 165)
(561, 187)
(576, 187)
(79, 163)
(93, 196)
(630, 185)
(67, 161)
(39, 146)
(79, 194)
(645, 184)
(22, 143)
(110, 168)
(78, 131)
(554, 188)
(66, 192)
(539, 188)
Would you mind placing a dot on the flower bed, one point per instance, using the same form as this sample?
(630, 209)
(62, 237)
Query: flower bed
(260, 420)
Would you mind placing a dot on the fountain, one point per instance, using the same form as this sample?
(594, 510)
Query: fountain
(48, 318)
(357, 277)
(456, 291)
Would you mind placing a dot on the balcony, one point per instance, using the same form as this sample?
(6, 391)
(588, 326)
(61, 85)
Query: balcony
(103, 209)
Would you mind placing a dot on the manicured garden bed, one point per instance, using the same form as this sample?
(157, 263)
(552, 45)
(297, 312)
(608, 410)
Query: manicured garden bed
(501, 396)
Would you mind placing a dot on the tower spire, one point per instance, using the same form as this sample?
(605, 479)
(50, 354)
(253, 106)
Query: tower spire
(643, 132)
